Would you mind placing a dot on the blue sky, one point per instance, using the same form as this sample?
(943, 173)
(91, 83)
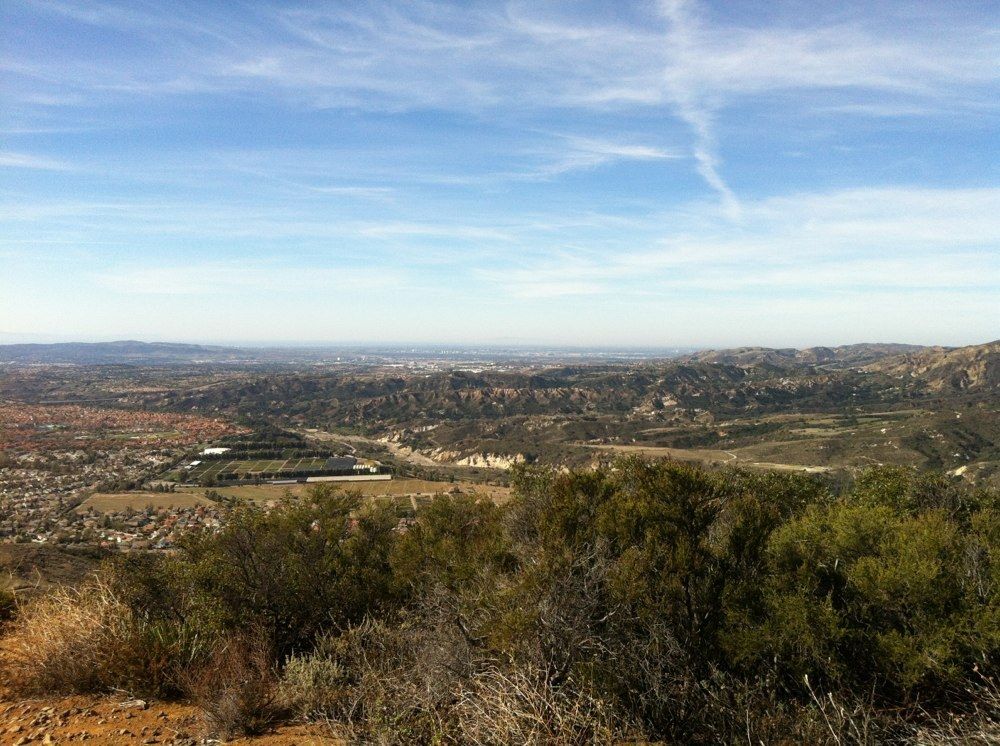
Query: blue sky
(657, 173)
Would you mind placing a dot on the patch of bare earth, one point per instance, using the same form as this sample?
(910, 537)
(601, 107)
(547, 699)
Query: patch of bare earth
(107, 720)
(122, 720)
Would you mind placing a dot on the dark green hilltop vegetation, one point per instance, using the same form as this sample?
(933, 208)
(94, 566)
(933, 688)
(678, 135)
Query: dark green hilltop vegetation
(642, 601)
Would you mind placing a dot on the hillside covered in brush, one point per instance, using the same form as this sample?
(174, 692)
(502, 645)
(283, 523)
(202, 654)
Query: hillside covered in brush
(730, 385)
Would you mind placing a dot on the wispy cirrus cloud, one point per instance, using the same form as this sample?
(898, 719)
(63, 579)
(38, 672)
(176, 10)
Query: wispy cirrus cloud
(551, 164)
(29, 161)
(685, 58)
(432, 230)
(220, 278)
(894, 239)
(584, 153)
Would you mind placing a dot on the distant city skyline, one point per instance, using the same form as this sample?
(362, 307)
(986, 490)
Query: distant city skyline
(650, 174)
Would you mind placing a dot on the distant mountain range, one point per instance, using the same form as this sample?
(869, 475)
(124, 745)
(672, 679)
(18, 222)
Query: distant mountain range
(934, 368)
(824, 407)
(845, 355)
(756, 383)
(114, 353)
(132, 352)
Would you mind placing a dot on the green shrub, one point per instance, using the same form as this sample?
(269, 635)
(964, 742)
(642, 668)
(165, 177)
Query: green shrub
(867, 595)
(452, 539)
(641, 599)
(292, 572)
(681, 548)
(907, 490)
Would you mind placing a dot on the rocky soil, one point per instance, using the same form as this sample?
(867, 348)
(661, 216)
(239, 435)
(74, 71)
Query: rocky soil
(110, 720)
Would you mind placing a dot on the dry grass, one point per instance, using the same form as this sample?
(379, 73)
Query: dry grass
(107, 502)
(502, 705)
(390, 488)
(236, 687)
(189, 497)
(83, 640)
(979, 726)
(378, 683)
(312, 685)
(70, 641)
(421, 683)
(841, 723)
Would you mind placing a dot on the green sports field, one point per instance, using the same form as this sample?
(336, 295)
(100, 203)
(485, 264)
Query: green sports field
(273, 467)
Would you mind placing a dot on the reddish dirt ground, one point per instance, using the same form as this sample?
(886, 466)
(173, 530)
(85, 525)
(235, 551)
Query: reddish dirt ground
(109, 720)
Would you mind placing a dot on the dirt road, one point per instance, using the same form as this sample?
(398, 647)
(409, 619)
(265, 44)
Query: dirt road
(707, 456)
(402, 452)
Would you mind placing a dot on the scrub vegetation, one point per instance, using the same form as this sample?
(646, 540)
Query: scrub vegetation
(642, 601)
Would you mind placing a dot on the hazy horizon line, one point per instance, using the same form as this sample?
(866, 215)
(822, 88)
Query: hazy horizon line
(34, 339)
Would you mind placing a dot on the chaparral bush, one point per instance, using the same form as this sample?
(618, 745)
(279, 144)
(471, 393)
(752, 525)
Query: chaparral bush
(642, 600)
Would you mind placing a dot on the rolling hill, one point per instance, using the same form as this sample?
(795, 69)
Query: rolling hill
(973, 368)
(115, 353)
